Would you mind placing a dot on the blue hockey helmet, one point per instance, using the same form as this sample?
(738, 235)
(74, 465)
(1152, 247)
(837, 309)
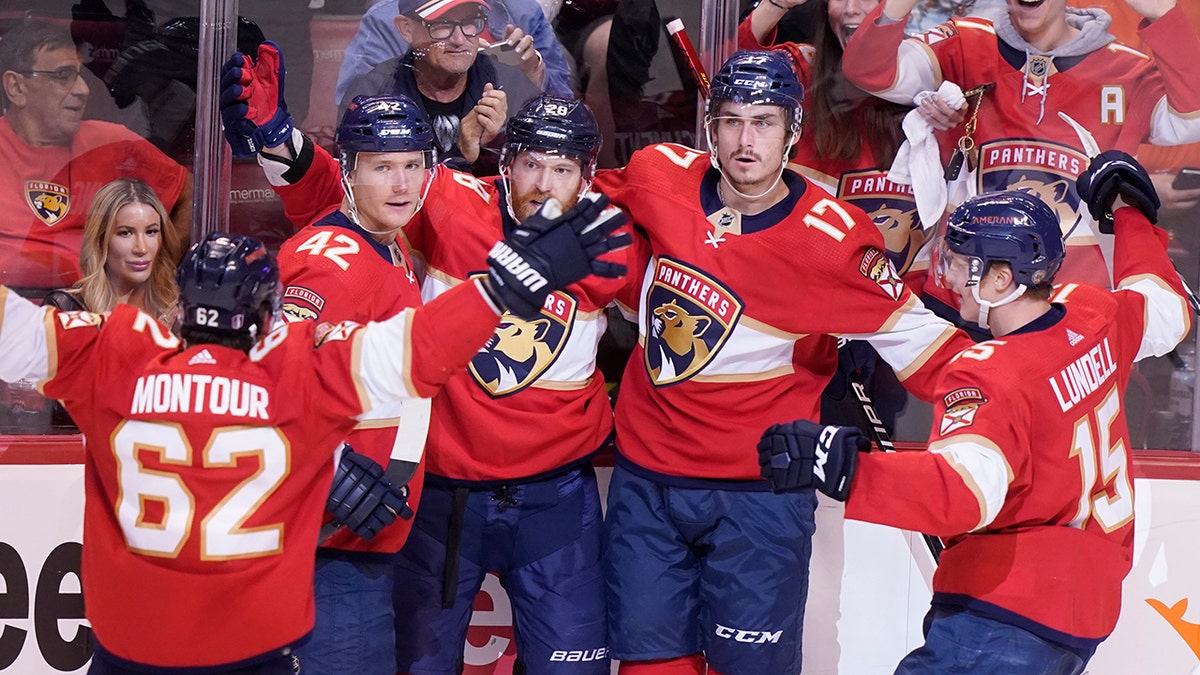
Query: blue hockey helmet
(557, 125)
(384, 124)
(226, 283)
(758, 77)
(1012, 227)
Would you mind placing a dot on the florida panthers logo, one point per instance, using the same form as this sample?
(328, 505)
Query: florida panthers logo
(520, 351)
(690, 316)
(1040, 168)
(893, 209)
(960, 405)
(50, 201)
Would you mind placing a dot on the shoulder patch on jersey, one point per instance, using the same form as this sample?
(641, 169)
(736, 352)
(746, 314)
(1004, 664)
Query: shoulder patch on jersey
(329, 332)
(519, 351)
(50, 201)
(876, 267)
(300, 303)
(938, 33)
(807, 52)
(690, 316)
(72, 320)
(961, 406)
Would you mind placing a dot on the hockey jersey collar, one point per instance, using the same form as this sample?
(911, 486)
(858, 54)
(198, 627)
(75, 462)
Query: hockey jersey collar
(710, 201)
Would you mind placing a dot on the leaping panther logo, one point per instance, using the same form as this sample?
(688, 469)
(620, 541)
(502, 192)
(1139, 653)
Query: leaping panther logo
(521, 351)
(50, 202)
(691, 318)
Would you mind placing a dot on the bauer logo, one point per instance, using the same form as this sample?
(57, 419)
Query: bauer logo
(690, 318)
(579, 655)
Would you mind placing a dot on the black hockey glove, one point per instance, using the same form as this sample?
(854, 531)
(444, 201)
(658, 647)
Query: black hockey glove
(803, 454)
(551, 250)
(362, 498)
(1113, 173)
(253, 111)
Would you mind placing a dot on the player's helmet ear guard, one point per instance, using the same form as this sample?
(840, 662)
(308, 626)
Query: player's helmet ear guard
(1013, 227)
(226, 283)
(384, 124)
(555, 125)
(757, 77)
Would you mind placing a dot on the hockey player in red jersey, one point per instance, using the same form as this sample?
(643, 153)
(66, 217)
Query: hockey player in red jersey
(346, 263)
(754, 271)
(1042, 58)
(510, 442)
(207, 464)
(1028, 475)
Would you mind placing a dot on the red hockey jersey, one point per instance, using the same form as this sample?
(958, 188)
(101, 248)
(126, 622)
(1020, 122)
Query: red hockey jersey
(1029, 453)
(207, 468)
(333, 271)
(534, 385)
(47, 192)
(735, 314)
(1122, 96)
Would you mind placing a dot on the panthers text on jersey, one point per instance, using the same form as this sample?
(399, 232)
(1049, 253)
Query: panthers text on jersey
(207, 468)
(1029, 453)
(737, 313)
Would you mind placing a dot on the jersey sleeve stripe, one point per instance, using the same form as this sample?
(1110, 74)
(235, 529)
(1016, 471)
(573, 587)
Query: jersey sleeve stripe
(983, 468)
(1167, 316)
(26, 338)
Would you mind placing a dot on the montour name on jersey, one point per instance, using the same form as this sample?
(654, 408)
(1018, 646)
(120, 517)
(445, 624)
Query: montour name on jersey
(1085, 375)
(215, 395)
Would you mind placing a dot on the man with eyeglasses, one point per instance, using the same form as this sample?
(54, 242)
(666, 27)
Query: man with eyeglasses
(464, 93)
(52, 161)
(377, 40)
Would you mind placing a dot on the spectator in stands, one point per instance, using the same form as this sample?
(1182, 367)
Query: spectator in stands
(377, 40)
(52, 162)
(929, 13)
(127, 256)
(464, 93)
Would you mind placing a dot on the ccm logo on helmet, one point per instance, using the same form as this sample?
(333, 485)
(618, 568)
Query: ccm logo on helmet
(757, 637)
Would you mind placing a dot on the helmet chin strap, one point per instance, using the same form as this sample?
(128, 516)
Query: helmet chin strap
(986, 307)
(712, 157)
(353, 215)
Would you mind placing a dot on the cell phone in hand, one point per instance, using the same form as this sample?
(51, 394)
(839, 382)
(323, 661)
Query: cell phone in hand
(497, 47)
(1188, 178)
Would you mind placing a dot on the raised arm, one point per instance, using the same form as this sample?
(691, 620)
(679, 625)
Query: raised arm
(879, 59)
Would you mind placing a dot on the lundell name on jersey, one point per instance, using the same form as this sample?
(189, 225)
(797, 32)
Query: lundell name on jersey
(1084, 376)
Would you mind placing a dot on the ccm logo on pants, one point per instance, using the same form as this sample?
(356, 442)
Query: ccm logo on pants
(757, 637)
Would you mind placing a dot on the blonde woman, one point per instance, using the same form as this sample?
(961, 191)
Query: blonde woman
(128, 254)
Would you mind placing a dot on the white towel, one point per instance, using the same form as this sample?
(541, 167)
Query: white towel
(918, 161)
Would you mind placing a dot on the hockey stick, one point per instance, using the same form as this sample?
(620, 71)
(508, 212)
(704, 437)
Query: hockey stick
(683, 45)
(881, 436)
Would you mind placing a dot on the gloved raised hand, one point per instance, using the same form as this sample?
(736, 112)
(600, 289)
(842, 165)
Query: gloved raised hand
(362, 498)
(1113, 173)
(253, 111)
(802, 454)
(552, 249)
